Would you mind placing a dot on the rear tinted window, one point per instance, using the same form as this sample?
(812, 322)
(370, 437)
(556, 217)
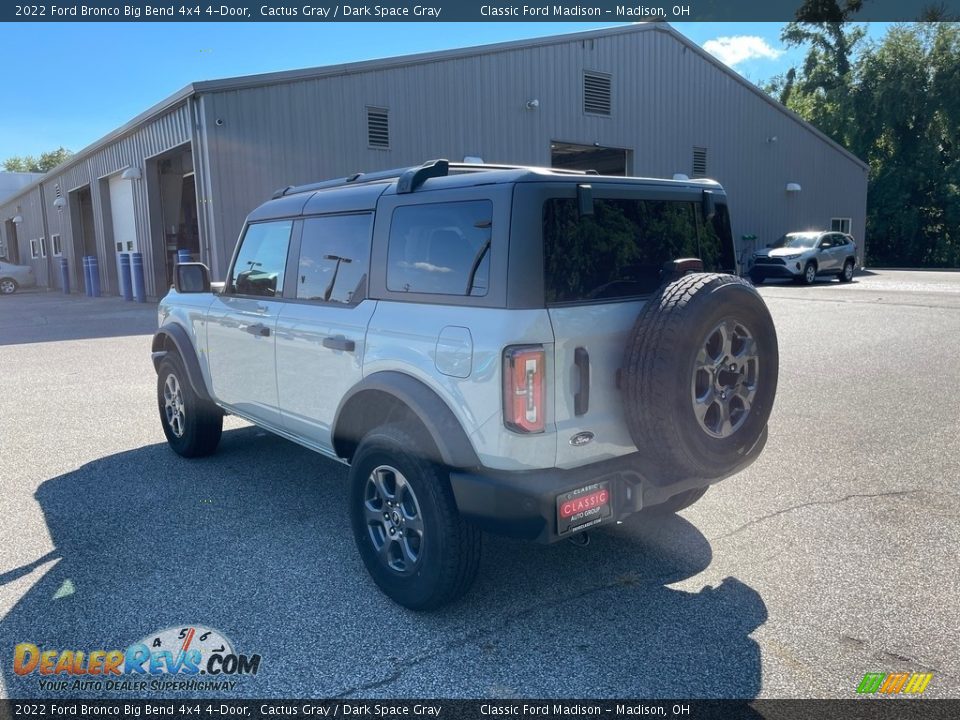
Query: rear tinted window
(620, 251)
(441, 249)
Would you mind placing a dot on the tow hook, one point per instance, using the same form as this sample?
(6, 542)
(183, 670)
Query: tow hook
(581, 539)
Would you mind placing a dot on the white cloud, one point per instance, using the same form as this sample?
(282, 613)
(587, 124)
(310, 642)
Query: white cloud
(738, 48)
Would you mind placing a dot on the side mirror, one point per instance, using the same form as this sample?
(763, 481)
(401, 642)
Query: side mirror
(191, 277)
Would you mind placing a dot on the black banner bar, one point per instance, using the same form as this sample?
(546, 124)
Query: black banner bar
(600, 11)
(510, 709)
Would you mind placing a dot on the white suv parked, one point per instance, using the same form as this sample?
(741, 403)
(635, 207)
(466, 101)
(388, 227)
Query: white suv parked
(517, 350)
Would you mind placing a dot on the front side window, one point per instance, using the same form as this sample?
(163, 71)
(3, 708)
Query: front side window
(334, 256)
(620, 251)
(260, 263)
(441, 249)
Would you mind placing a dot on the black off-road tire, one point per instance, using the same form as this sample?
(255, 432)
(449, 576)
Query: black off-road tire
(661, 372)
(197, 430)
(846, 274)
(448, 554)
(680, 501)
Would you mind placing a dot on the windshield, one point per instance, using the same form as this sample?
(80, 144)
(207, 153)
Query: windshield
(797, 240)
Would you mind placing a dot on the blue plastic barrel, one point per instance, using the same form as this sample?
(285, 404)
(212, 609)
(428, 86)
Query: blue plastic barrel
(184, 256)
(94, 276)
(126, 286)
(136, 277)
(64, 275)
(87, 282)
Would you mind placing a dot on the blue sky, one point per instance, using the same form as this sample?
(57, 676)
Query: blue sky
(62, 93)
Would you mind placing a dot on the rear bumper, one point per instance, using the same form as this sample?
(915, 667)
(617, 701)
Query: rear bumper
(524, 504)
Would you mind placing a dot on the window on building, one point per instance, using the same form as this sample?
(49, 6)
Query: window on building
(699, 162)
(57, 245)
(378, 128)
(334, 258)
(43, 247)
(840, 225)
(261, 260)
(596, 93)
(34, 249)
(440, 248)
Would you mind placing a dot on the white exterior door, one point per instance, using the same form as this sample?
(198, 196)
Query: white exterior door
(122, 215)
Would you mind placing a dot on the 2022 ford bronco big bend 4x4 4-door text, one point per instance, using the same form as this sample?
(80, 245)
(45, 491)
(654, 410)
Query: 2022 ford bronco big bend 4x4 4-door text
(523, 351)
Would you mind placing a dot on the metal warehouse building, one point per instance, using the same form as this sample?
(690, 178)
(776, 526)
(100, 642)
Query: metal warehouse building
(640, 100)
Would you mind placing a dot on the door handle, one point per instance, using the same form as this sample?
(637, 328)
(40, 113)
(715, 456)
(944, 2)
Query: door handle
(339, 343)
(258, 329)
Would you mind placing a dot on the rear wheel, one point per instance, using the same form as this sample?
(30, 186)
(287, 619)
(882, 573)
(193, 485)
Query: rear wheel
(192, 425)
(846, 275)
(412, 540)
(8, 286)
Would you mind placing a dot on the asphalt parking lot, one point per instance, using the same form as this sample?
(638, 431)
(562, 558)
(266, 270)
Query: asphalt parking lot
(834, 555)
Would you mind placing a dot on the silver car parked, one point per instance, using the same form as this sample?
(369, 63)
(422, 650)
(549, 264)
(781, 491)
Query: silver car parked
(13, 277)
(802, 256)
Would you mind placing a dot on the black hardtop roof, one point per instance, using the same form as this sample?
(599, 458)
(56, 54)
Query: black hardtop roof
(360, 191)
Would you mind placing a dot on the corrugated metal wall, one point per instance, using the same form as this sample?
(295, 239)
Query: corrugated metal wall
(158, 135)
(667, 98)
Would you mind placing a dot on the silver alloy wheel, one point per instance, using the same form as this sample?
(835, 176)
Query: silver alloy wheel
(393, 517)
(8, 287)
(811, 274)
(173, 405)
(724, 381)
(848, 271)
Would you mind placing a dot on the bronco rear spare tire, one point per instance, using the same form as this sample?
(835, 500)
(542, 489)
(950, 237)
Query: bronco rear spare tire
(700, 375)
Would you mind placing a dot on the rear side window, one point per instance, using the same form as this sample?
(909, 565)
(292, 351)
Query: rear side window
(441, 249)
(334, 256)
(261, 259)
(620, 251)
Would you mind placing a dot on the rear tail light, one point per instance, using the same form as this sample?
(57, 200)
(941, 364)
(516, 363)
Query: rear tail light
(524, 388)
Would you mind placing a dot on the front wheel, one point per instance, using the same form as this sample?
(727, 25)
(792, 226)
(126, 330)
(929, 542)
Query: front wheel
(809, 274)
(192, 425)
(8, 286)
(412, 540)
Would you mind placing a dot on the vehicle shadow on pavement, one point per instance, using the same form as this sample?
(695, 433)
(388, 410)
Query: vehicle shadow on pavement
(255, 542)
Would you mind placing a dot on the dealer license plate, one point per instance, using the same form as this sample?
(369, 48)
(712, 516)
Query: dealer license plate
(583, 507)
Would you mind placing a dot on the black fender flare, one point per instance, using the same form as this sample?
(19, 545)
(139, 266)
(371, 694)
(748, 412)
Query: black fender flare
(177, 336)
(452, 443)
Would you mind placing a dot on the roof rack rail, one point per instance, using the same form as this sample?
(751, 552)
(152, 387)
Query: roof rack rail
(410, 178)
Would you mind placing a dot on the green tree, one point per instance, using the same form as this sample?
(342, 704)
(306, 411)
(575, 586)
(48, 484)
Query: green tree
(45, 162)
(896, 104)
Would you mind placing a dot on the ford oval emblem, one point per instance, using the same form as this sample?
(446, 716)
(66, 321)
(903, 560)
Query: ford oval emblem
(581, 439)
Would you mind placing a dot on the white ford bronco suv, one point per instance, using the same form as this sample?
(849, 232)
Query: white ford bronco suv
(515, 350)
